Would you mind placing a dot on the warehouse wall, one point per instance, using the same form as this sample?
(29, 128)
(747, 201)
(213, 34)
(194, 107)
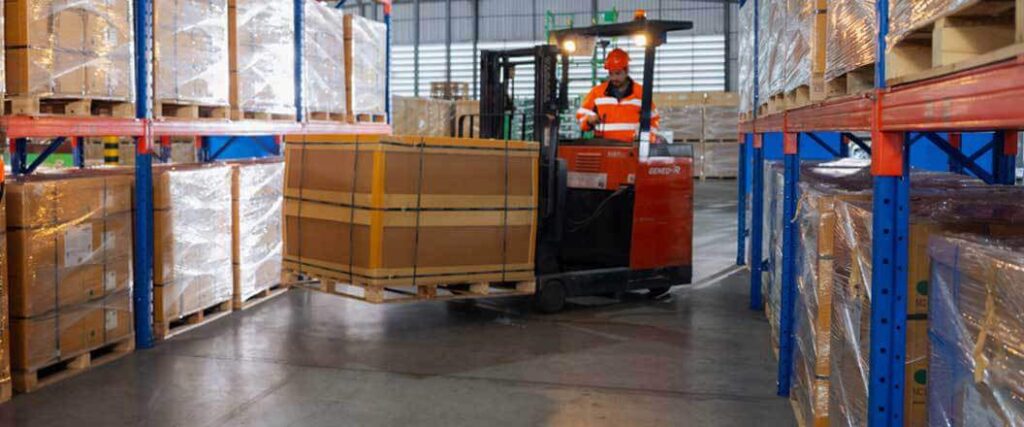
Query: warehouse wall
(505, 22)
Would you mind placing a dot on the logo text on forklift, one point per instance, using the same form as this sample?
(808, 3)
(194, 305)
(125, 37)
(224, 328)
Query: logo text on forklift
(665, 170)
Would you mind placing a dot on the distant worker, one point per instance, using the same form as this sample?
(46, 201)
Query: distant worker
(612, 108)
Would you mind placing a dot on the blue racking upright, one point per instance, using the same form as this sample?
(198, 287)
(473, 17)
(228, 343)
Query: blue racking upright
(939, 109)
(146, 130)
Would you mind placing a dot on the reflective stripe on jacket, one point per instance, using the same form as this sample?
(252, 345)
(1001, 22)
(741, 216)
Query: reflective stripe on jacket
(618, 119)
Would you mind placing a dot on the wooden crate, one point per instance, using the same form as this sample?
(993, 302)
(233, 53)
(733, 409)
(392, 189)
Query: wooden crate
(978, 34)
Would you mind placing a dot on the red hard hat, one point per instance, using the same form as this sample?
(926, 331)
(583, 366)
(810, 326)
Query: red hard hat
(617, 60)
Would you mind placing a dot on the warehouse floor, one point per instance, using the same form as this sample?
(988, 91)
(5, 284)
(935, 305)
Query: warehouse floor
(699, 358)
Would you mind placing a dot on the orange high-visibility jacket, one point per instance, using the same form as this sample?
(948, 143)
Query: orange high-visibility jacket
(618, 119)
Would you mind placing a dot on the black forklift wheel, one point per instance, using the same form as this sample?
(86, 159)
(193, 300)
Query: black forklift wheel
(550, 298)
(657, 292)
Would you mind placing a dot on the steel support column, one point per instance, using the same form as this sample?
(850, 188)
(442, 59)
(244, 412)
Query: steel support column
(1004, 157)
(956, 141)
(741, 211)
(143, 249)
(788, 294)
(757, 224)
(299, 22)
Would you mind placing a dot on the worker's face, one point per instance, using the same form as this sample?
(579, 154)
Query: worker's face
(618, 77)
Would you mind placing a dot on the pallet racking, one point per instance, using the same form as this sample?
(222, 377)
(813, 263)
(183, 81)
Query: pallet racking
(146, 130)
(984, 98)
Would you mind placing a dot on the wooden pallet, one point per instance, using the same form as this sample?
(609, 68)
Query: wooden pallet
(799, 97)
(78, 107)
(369, 118)
(248, 115)
(170, 329)
(260, 297)
(30, 381)
(190, 111)
(342, 285)
(985, 32)
(327, 117)
(854, 82)
(775, 104)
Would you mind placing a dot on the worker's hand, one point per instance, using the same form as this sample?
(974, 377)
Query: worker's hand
(592, 119)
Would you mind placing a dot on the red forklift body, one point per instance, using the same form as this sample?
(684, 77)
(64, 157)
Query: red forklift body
(662, 223)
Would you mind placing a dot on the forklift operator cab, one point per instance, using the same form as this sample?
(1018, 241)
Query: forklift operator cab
(614, 215)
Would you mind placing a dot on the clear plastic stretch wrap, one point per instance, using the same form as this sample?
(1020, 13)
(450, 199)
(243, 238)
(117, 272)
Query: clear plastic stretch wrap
(720, 159)
(323, 58)
(798, 42)
(191, 51)
(80, 49)
(192, 230)
(906, 16)
(422, 116)
(746, 58)
(257, 202)
(851, 36)
(976, 371)
(368, 64)
(265, 56)
(70, 265)
(935, 210)
(773, 227)
(772, 52)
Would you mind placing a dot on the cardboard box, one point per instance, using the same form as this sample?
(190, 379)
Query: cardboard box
(412, 172)
(190, 59)
(423, 116)
(261, 51)
(43, 340)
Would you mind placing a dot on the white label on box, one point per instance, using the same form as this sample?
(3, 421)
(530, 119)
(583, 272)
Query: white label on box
(109, 240)
(111, 319)
(77, 245)
(110, 281)
(597, 181)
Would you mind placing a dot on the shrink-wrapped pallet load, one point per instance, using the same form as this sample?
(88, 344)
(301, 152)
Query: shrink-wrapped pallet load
(975, 330)
(410, 211)
(747, 51)
(257, 200)
(190, 58)
(192, 256)
(70, 269)
(262, 41)
(935, 210)
(850, 46)
(323, 80)
(73, 58)
(365, 67)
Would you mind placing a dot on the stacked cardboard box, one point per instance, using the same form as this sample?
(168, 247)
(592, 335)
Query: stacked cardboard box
(256, 202)
(5, 315)
(976, 365)
(410, 210)
(82, 49)
(190, 52)
(70, 243)
(365, 65)
(423, 116)
(192, 250)
(261, 36)
(708, 121)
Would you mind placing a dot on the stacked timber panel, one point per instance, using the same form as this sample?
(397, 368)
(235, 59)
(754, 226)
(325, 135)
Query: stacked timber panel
(262, 60)
(708, 122)
(976, 362)
(323, 62)
(74, 58)
(70, 246)
(420, 212)
(365, 68)
(190, 58)
(257, 200)
(192, 274)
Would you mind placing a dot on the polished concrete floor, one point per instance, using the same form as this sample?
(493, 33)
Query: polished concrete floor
(696, 358)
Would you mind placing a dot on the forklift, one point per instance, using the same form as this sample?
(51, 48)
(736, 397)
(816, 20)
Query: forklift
(613, 217)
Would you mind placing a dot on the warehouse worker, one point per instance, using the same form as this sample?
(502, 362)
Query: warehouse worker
(612, 108)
